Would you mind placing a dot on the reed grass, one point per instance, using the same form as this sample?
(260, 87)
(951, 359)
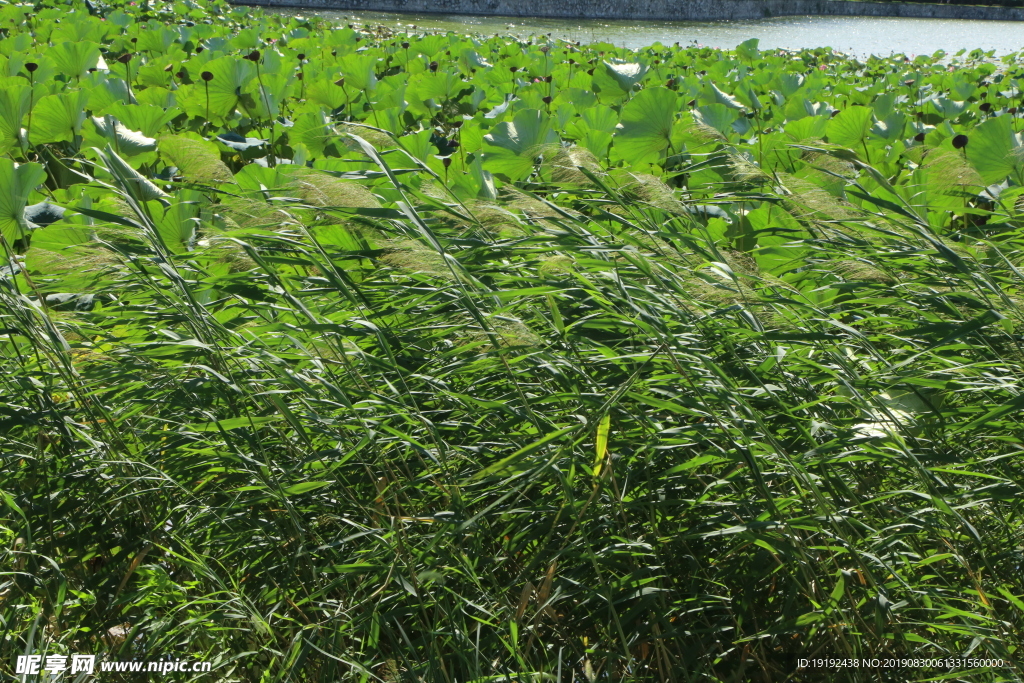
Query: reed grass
(563, 434)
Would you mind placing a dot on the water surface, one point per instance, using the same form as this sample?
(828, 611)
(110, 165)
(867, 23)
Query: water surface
(856, 35)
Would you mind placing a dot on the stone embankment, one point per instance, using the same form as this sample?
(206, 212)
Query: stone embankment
(677, 10)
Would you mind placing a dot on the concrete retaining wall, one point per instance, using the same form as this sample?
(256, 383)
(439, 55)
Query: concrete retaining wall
(678, 10)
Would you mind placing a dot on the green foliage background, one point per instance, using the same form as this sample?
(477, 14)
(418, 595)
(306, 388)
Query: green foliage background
(437, 358)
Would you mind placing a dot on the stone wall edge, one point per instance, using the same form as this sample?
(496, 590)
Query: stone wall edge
(678, 10)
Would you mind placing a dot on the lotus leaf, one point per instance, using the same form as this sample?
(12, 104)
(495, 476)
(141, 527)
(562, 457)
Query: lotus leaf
(850, 127)
(995, 150)
(16, 184)
(617, 80)
(647, 121)
(512, 148)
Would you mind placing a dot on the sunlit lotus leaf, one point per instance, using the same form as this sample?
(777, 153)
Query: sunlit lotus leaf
(14, 106)
(441, 86)
(790, 83)
(601, 118)
(889, 128)
(179, 222)
(59, 118)
(148, 119)
(157, 41)
(79, 28)
(717, 116)
(646, 124)
(807, 128)
(618, 80)
(75, 59)
(231, 79)
(994, 150)
(327, 93)
(126, 141)
(747, 50)
(513, 146)
(850, 127)
(314, 131)
(16, 184)
(360, 72)
(715, 95)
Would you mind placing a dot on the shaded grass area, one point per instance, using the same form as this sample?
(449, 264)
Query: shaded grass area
(523, 463)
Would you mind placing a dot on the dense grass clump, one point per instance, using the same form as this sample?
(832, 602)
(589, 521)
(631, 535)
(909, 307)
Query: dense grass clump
(330, 354)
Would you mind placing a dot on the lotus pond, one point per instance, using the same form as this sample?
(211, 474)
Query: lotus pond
(332, 353)
(861, 36)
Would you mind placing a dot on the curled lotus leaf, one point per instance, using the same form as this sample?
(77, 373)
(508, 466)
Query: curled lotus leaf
(127, 142)
(240, 143)
(44, 213)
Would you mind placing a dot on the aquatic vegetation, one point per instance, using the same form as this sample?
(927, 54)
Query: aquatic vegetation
(330, 353)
